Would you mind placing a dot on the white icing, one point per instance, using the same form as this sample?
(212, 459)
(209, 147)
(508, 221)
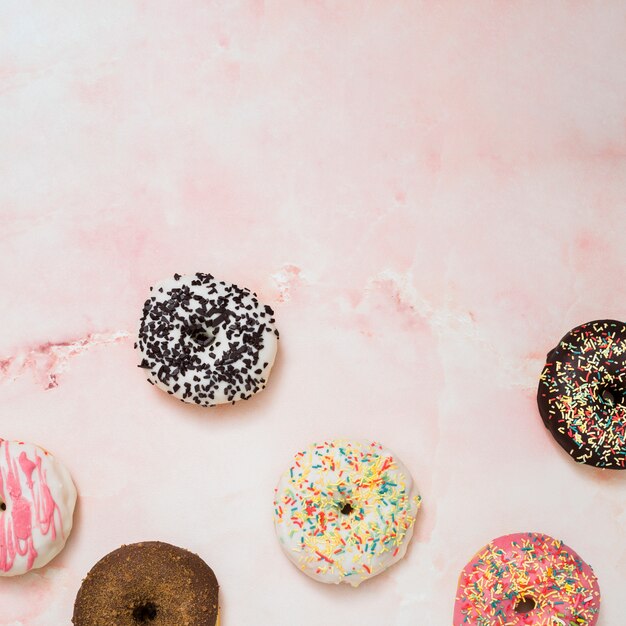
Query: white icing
(331, 546)
(38, 497)
(205, 380)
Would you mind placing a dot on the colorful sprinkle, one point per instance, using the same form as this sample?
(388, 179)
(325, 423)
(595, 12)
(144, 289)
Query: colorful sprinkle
(527, 579)
(344, 511)
(582, 394)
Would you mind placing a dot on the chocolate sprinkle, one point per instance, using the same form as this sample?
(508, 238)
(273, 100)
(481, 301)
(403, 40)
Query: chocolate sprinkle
(206, 342)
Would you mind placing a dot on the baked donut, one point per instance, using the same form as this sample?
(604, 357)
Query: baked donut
(344, 511)
(37, 498)
(527, 579)
(205, 341)
(582, 394)
(151, 583)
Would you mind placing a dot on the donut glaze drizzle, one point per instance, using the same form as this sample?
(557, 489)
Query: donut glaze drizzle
(31, 521)
(582, 393)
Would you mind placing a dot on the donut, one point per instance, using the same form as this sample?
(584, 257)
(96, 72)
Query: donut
(344, 511)
(37, 498)
(152, 583)
(582, 394)
(527, 579)
(205, 341)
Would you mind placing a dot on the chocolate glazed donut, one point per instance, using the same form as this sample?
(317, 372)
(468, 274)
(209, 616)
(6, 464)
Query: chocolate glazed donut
(151, 584)
(582, 394)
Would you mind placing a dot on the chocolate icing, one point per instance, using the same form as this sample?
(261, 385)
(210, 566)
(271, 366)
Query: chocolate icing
(582, 393)
(150, 584)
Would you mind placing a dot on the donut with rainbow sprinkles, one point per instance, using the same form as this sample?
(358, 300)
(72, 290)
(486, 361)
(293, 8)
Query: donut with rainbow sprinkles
(344, 511)
(527, 579)
(582, 394)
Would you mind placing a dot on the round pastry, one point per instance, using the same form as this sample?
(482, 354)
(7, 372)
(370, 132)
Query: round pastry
(37, 498)
(344, 511)
(148, 583)
(527, 579)
(582, 394)
(205, 341)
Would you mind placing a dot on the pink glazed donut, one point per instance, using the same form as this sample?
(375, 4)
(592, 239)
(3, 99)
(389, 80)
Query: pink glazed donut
(527, 579)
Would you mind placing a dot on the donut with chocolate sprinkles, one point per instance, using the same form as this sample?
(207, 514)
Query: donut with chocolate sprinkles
(582, 394)
(150, 583)
(205, 341)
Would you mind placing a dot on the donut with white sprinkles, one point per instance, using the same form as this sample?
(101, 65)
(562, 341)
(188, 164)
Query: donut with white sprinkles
(205, 341)
(582, 394)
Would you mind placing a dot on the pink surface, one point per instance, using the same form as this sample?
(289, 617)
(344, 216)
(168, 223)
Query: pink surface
(430, 194)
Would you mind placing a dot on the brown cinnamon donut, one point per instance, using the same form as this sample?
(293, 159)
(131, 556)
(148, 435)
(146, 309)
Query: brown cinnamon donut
(150, 584)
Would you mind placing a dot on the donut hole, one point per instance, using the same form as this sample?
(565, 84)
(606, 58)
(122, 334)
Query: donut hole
(3, 506)
(202, 336)
(525, 604)
(145, 612)
(609, 396)
(346, 508)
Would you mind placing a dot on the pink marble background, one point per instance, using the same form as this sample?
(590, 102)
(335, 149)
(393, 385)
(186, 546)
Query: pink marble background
(429, 193)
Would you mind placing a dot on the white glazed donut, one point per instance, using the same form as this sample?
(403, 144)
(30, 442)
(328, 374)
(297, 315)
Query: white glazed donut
(344, 511)
(37, 498)
(205, 341)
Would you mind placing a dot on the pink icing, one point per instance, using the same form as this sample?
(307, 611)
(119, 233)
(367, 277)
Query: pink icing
(24, 511)
(562, 586)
